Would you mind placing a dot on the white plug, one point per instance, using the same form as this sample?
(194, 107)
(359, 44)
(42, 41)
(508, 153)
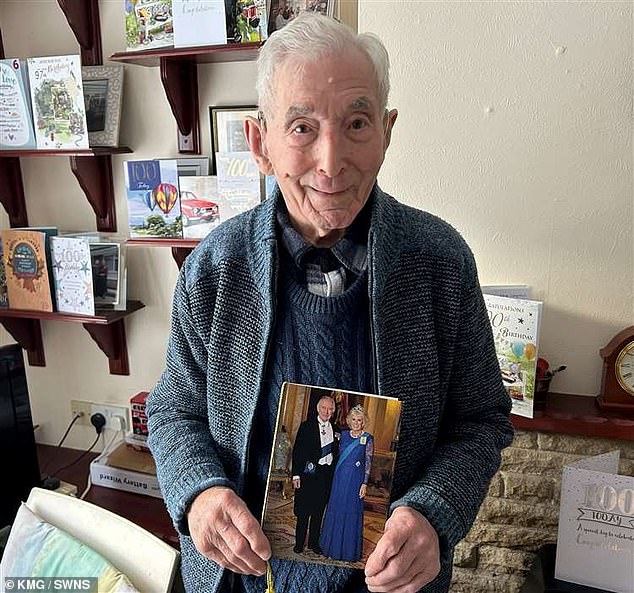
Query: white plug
(117, 423)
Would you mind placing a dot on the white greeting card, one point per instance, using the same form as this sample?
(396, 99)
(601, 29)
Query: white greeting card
(595, 544)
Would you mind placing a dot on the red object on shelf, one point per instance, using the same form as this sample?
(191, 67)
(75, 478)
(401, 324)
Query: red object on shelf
(139, 419)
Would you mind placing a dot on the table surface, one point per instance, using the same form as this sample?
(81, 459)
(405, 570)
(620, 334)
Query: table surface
(146, 511)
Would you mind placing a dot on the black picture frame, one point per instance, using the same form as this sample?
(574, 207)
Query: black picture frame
(226, 127)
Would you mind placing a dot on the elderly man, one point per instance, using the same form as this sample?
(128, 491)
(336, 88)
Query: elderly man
(330, 282)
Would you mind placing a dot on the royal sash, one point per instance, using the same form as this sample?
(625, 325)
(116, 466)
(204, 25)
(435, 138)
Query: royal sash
(348, 450)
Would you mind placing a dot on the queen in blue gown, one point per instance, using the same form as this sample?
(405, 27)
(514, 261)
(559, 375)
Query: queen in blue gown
(342, 531)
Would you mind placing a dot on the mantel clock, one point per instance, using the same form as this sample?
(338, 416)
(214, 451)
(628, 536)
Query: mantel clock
(617, 379)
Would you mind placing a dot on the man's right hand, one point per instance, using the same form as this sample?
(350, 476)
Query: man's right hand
(223, 530)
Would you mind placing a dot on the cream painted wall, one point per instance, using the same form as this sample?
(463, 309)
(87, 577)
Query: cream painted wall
(515, 126)
(75, 367)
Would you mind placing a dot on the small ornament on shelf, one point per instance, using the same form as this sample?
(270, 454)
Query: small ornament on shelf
(543, 377)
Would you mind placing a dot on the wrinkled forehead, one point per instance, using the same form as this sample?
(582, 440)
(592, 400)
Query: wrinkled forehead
(300, 86)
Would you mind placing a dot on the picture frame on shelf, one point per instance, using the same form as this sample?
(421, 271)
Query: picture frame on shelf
(282, 12)
(103, 95)
(227, 129)
(192, 166)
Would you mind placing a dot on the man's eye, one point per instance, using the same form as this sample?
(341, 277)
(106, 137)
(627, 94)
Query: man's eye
(301, 129)
(358, 124)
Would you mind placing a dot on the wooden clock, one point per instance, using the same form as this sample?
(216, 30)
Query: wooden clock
(617, 380)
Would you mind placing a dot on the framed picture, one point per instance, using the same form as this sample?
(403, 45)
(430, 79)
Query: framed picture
(192, 166)
(103, 92)
(227, 130)
(281, 12)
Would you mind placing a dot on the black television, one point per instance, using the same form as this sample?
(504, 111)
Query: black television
(18, 454)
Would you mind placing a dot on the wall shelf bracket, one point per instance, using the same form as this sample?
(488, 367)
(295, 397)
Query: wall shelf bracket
(83, 18)
(94, 174)
(180, 81)
(12, 191)
(179, 254)
(112, 342)
(27, 333)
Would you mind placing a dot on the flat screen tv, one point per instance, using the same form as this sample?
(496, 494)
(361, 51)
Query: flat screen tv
(18, 455)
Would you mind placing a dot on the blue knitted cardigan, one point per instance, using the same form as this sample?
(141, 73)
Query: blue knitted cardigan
(433, 350)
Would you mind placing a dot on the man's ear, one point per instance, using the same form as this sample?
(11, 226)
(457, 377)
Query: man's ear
(389, 124)
(255, 132)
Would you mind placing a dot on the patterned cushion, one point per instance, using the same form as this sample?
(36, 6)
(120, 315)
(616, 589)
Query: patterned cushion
(38, 549)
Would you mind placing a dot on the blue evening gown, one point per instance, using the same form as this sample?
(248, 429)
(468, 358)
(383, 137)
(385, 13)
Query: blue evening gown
(342, 531)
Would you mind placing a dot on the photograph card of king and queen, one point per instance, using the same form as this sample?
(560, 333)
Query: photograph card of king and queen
(344, 465)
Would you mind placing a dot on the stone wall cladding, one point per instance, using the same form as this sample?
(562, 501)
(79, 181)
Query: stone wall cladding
(521, 510)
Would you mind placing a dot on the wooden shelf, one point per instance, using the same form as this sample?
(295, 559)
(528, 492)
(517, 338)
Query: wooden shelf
(179, 75)
(181, 248)
(204, 54)
(106, 328)
(102, 317)
(170, 242)
(92, 168)
(577, 415)
(92, 151)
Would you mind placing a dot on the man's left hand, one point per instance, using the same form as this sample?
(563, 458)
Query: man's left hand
(407, 557)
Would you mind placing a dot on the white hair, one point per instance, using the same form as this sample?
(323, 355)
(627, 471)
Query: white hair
(309, 37)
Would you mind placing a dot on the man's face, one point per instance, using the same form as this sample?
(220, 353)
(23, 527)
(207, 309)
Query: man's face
(325, 142)
(325, 409)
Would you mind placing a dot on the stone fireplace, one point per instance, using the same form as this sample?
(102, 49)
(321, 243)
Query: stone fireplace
(521, 510)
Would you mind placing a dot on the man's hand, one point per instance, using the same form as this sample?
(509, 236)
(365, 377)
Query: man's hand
(223, 530)
(297, 483)
(363, 490)
(407, 556)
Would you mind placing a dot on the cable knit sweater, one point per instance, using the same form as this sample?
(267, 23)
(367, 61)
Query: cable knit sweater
(433, 350)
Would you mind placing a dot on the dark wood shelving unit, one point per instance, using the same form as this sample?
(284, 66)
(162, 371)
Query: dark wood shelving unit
(169, 242)
(179, 75)
(92, 167)
(83, 19)
(106, 328)
(181, 248)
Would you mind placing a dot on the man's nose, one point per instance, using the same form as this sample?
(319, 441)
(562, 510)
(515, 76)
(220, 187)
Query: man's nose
(330, 150)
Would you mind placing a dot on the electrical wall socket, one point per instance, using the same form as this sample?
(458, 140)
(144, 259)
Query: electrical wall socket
(109, 411)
